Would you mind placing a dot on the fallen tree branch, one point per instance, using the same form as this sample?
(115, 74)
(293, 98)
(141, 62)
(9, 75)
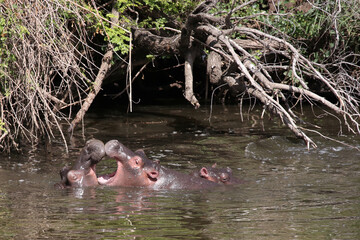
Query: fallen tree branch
(297, 54)
(214, 61)
(268, 101)
(331, 139)
(282, 115)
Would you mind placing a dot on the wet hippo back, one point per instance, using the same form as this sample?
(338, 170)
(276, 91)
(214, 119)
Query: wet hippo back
(171, 179)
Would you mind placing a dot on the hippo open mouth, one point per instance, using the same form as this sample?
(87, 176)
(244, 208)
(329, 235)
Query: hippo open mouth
(128, 175)
(103, 179)
(108, 179)
(133, 169)
(151, 178)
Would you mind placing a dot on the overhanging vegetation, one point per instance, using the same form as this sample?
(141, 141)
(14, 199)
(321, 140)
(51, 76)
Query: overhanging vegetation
(56, 55)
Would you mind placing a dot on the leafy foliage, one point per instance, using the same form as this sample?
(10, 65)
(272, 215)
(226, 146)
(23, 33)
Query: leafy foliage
(157, 14)
(317, 24)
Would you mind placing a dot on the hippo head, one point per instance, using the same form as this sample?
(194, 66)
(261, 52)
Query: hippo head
(218, 175)
(133, 169)
(82, 174)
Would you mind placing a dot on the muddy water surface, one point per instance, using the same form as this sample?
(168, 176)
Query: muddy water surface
(288, 192)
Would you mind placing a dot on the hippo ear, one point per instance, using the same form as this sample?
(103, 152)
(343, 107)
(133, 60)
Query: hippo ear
(204, 172)
(214, 165)
(228, 169)
(140, 152)
(63, 173)
(157, 161)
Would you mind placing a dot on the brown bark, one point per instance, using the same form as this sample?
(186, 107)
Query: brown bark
(253, 44)
(150, 43)
(214, 61)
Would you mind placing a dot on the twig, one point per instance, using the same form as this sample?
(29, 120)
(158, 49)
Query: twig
(104, 67)
(329, 138)
(132, 80)
(212, 97)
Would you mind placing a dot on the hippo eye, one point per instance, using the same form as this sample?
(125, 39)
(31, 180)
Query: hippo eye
(138, 161)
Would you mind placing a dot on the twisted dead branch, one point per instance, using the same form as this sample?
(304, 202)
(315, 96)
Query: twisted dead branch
(260, 83)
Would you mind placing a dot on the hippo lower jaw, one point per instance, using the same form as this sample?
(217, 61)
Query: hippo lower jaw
(106, 179)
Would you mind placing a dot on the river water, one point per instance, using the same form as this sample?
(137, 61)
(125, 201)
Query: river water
(287, 192)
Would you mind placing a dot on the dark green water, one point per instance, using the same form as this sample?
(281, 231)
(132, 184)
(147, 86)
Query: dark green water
(289, 192)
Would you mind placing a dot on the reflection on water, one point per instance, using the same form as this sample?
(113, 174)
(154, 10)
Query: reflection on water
(288, 192)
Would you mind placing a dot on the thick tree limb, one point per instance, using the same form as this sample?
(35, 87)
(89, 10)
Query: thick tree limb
(214, 61)
(253, 44)
(154, 44)
(189, 91)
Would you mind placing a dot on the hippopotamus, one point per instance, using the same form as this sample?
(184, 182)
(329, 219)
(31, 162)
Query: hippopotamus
(218, 175)
(213, 173)
(82, 174)
(135, 169)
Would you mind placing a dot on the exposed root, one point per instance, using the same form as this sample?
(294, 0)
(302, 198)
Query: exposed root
(189, 91)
